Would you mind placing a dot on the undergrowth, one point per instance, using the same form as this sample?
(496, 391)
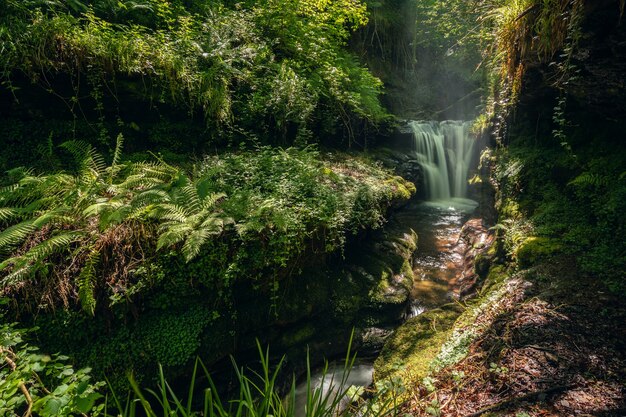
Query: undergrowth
(254, 213)
(555, 205)
(272, 70)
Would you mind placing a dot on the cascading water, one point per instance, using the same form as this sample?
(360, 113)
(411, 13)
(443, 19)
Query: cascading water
(445, 151)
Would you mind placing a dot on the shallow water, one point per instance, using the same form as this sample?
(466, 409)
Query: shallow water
(436, 266)
(437, 260)
(331, 382)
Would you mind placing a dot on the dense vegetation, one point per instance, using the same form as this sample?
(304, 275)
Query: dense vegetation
(190, 181)
(553, 283)
(271, 72)
(154, 201)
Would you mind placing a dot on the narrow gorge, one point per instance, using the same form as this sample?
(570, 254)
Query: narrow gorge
(312, 208)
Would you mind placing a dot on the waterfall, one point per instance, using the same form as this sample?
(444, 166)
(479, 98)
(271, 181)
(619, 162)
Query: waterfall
(445, 151)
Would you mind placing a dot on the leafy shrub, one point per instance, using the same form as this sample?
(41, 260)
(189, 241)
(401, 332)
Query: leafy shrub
(273, 69)
(99, 232)
(45, 385)
(555, 203)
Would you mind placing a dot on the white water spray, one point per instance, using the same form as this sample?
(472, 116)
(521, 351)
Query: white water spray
(445, 151)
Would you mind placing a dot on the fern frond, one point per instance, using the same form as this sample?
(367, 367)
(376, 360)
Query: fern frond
(117, 156)
(216, 223)
(139, 181)
(18, 173)
(15, 235)
(38, 204)
(87, 282)
(103, 205)
(57, 215)
(8, 191)
(212, 200)
(18, 274)
(50, 246)
(91, 163)
(78, 149)
(150, 197)
(173, 234)
(7, 213)
(190, 198)
(141, 212)
(193, 243)
(173, 213)
(96, 162)
(157, 170)
(589, 179)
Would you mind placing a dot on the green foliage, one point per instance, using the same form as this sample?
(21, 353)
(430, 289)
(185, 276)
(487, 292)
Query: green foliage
(568, 206)
(274, 69)
(527, 33)
(86, 282)
(44, 385)
(250, 214)
(258, 395)
(189, 215)
(64, 220)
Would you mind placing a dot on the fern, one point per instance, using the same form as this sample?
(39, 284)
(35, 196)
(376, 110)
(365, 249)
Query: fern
(156, 170)
(189, 194)
(150, 197)
(117, 157)
(190, 217)
(17, 275)
(14, 235)
(7, 213)
(50, 246)
(589, 179)
(91, 164)
(87, 282)
(27, 265)
(58, 215)
(173, 213)
(171, 234)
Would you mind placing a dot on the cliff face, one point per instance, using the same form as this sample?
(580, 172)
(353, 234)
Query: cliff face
(590, 72)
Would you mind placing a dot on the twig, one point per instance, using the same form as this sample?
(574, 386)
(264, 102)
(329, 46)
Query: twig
(443, 407)
(527, 11)
(21, 385)
(511, 401)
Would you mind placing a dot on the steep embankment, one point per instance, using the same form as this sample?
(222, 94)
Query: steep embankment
(147, 219)
(545, 334)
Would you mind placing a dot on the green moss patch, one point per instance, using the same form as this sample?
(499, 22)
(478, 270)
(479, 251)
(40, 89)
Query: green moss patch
(410, 350)
(536, 249)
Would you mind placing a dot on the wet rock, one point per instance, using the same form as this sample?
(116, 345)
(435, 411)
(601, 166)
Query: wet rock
(402, 161)
(373, 339)
(474, 243)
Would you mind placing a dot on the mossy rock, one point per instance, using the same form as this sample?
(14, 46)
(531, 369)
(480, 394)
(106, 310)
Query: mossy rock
(536, 249)
(482, 263)
(509, 209)
(393, 288)
(496, 276)
(404, 189)
(412, 347)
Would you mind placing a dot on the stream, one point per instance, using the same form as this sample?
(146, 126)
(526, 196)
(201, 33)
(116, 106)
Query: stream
(436, 267)
(445, 152)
